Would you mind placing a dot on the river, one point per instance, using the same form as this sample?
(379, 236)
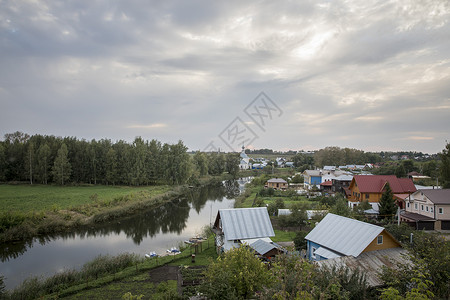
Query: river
(153, 230)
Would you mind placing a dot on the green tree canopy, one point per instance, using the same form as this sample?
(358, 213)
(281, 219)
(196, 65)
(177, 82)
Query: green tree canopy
(387, 206)
(61, 168)
(236, 274)
(445, 166)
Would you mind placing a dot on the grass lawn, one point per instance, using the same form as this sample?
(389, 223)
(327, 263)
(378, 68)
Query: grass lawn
(283, 236)
(37, 198)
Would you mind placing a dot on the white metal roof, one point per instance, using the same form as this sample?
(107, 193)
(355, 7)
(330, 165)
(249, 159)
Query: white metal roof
(344, 235)
(262, 247)
(246, 223)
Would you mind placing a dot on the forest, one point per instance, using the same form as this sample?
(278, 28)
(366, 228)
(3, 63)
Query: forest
(50, 159)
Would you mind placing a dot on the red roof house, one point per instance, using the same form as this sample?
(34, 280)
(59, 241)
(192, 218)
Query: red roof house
(371, 187)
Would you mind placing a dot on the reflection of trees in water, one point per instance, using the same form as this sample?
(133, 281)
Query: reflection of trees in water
(168, 218)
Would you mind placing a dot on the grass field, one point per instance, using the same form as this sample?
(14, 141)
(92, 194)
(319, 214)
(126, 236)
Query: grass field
(41, 198)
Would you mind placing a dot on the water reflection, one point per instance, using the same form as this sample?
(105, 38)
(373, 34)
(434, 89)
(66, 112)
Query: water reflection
(168, 218)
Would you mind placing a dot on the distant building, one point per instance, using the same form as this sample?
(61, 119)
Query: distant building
(277, 184)
(244, 163)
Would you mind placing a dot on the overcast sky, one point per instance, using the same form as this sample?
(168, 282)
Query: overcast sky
(371, 75)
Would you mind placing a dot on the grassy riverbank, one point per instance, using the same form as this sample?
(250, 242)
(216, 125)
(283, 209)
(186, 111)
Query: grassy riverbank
(27, 211)
(36, 198)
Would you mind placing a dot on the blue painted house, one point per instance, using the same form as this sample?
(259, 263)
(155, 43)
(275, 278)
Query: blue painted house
(336, 236)
(312, 177)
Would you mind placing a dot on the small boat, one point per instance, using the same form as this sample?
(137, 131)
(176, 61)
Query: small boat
(151, 254)
(173, 250)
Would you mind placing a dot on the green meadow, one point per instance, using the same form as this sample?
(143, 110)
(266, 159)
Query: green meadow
(42, 198)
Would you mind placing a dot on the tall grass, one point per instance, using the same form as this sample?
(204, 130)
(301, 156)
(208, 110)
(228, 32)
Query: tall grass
(36, 287)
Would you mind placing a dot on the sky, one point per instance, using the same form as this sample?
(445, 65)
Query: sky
(299, 75)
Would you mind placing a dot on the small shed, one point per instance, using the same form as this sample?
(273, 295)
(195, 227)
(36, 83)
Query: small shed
(234, 227)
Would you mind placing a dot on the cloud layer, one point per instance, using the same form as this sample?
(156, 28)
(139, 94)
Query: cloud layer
(365, 74)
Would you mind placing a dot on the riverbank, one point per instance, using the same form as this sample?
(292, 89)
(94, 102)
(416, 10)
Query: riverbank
(28, 211)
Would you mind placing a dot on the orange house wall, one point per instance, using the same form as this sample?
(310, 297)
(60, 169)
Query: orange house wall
(388, 242)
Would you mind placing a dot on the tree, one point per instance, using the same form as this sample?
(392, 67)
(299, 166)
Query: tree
(43, 163)
(341, 207)
(232, 163)
(30, 161)
(2, 162)
(111, 166)
(139, 159)
(445, 166)
(400, 171)
(236, 274)
(201, 163)
(387, 206)
(61, 167)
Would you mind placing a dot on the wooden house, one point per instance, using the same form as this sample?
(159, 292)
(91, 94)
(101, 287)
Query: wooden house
(371, 187)
(336, 236)
(277, 184)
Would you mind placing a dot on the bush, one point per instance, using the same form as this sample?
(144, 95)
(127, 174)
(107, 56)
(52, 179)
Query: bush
(237, 274)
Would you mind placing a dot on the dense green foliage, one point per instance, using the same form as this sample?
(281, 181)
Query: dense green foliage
(427, 271)
(45, 159)
(236, 274)
(335, 156)
(296, 278)
(445, 167)
(387, 204)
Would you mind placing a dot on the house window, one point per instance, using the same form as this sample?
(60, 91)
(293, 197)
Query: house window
(415, 205)
(379, 240)
(421, 207)
(313, 252)
(426, 208)
(407, 204)
(367, 196)
(441, 210)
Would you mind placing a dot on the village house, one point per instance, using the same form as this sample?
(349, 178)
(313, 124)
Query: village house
(277, 184)
(235, 227)
(428, 209)
(371, 187)
(336, 236)
(341, 183)
(312, 178)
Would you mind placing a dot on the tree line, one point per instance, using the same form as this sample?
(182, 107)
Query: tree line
(50, 159)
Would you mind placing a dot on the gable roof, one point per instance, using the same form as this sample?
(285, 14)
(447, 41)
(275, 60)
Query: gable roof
(277, 180)
(344, 235)
(375, 183)
(262, 247)
(438, 196)
(313, 172)
(245, 223)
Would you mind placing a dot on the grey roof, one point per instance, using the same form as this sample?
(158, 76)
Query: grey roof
(438, 196)
(327, 253)
(279, 180)
(344, 235)
(262, 247)
(369, 263)
(344, 177)
(246, 223)
(313, 172)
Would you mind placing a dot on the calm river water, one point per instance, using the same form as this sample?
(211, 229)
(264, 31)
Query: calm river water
(154, 230)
